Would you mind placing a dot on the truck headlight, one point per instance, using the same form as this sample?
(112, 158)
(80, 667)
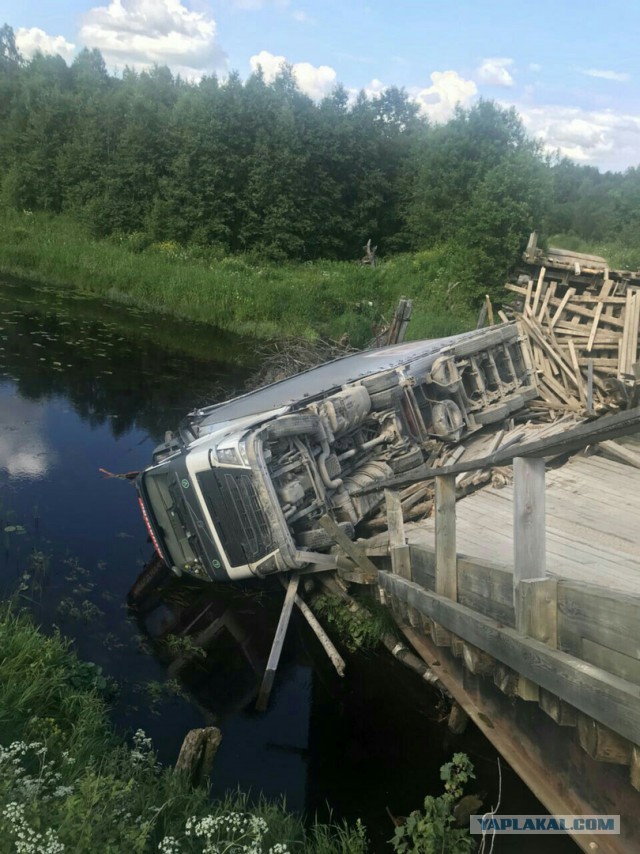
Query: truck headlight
(229, 456)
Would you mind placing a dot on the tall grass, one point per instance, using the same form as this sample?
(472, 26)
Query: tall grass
(67, 782)
(619, 256)
(241, 294)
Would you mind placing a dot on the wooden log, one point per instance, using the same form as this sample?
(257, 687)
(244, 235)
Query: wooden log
(445, 537)
(458, 719)
(197, 753)
(278, 642)
(601, 743)
(559, 711)
(332, 653)
(477, 661)
(506, 680)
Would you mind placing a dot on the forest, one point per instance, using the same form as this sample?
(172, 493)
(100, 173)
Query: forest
(258, 168)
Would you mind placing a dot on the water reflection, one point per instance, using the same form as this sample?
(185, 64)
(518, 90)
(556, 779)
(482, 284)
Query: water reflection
(24, 449)
(110, 362)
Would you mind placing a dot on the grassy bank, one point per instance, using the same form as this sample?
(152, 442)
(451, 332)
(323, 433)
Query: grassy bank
(619, 255)
(67, 783)
(239, 293)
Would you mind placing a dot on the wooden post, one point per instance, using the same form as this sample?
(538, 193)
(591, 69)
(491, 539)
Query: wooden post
(399, 550)
(446, 555)
(197, 753)
(529, 553)
(278, 642)
(590, 386)
(536, 617)
(528, 519)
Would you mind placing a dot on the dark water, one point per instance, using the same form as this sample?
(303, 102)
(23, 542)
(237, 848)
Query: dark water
(86, 385)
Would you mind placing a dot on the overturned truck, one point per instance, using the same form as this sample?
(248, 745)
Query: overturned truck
(239, 490)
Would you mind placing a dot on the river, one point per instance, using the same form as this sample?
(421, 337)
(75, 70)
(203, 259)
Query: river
(84, 385)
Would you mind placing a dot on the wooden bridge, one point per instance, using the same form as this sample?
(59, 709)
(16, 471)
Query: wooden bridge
(525, 603)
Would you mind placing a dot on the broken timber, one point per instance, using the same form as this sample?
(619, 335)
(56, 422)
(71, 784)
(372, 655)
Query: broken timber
(504, 639)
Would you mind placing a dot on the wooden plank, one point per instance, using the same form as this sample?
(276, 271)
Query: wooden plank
(608, 699)
(625, 666)
(539, 286)
(528, 519)
(582, 389)
(356, 554)
(606, 618)
(445, 532)
(619, 452)
(580, 310)
(551, 290)
(590, 385)
(278, 642)
(561, 305)
(604, 293)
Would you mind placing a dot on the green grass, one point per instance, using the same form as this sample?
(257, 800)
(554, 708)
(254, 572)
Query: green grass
(67, 779)
(619, 256)
(240, 294)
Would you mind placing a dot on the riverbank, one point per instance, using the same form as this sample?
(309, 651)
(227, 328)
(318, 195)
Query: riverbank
(240, 294)
(67, 782)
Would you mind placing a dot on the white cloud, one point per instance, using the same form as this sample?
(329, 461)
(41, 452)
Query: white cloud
(495, 71)
(30, 41)
(600, 138)
(604, 74)
(315, 81)
(140, 33)
(448, 89)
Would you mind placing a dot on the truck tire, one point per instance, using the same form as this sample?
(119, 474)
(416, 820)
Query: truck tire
(318, 538)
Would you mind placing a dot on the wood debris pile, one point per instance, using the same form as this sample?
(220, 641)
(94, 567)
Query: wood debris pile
(582, 320)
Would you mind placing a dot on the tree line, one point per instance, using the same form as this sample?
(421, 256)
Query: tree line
(257, 166)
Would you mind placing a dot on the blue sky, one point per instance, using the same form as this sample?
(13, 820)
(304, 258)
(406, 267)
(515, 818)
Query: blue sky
(571, 69)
